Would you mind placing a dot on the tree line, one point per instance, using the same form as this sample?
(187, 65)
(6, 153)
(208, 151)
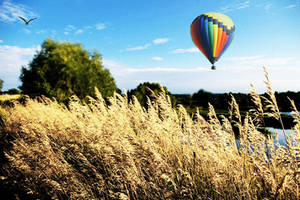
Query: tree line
(220, 101)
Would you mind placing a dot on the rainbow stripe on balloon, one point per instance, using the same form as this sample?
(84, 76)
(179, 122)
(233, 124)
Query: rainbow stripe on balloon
(212, 33)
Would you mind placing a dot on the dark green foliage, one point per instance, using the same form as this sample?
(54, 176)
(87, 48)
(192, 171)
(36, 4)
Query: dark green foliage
(183, 99)
(220, 102)
(283, 102)
(243, 100)
(62, 69)
(202, 97)
(1, 84)
(13, 91)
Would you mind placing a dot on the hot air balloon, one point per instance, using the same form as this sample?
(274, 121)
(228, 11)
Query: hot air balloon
(212, 33)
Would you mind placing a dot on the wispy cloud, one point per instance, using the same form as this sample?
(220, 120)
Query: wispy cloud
(190, 50)
(88, 27)
(74, 30)
(70, 28)
(157, 58)
(79, 31)
(27, 31)
(41, 31)
(291, 6)
(10, 12)
(138, 48)
(235, 6)
(146, 46)
(160, 40)
(100, 26)
(1, 41)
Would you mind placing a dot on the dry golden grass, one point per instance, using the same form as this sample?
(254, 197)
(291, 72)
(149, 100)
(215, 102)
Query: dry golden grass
(123, 151)
(6, 97)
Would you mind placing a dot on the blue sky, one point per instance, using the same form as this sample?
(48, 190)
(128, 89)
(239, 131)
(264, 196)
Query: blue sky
(150, 41)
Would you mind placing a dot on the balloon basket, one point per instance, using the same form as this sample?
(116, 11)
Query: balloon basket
(213, 67)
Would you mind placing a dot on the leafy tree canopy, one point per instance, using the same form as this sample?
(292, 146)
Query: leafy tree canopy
(62, 69)
(202, 97)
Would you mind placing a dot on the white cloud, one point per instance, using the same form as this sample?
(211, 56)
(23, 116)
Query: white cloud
(236, 6)
(291, 6)
(70, 28)
(243, 5)
(160, 40)
(1, 41)
(10, 12)
(146, 46)
(11, 60)
(157, 58)
(100, 26)
(138, 48)
(190, 50)
(79, 31)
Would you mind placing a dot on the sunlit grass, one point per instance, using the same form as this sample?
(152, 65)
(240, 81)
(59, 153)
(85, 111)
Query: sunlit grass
(121, 150)
(6, 97)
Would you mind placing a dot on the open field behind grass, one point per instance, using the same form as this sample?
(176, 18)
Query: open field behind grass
(123, 151)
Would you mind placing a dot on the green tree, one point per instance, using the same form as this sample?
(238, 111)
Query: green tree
(1, 85)
(13, 91)
(202, 97)
(142, 92)
(62, 69)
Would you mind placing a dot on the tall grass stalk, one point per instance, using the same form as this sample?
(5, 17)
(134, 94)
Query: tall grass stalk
(257, 111)
(272, 104)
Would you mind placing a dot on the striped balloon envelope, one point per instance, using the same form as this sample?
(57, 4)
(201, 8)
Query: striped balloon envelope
(212, 33)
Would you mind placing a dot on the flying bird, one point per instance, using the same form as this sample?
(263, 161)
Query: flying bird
(27, 22)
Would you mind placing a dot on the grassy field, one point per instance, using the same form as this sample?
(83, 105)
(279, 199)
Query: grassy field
(123, 151)
(6, 97)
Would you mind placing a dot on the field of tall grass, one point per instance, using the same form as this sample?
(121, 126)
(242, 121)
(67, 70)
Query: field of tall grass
(120, 150)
